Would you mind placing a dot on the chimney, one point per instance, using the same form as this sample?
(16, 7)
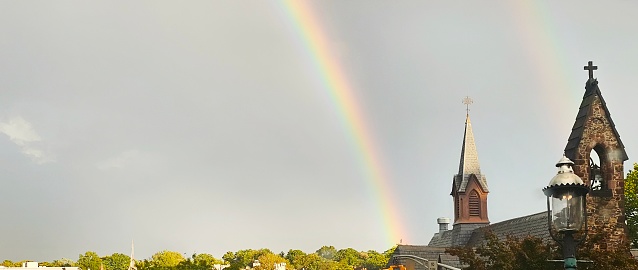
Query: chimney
(443, 222)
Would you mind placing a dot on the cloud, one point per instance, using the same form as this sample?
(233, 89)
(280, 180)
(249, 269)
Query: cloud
(22, 134)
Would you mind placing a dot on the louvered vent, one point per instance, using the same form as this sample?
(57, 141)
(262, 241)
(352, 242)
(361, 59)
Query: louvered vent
(475, 204)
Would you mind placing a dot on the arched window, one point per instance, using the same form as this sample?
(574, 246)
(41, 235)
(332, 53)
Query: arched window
(475, 204)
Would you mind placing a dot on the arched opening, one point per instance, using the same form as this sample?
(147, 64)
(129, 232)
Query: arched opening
(598, 177)
(595, 171)
(475, 204)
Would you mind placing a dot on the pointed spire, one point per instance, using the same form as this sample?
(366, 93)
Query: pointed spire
(469, 156)
(131, 265)
(469, 164)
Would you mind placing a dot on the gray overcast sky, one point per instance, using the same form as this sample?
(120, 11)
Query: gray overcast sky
(205, 126)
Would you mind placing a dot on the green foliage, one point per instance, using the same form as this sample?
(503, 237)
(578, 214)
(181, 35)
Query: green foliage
(243, 258)
(619, 259)
(631, 204)
(312, 261)
(205, 260)
(64, 262)
(117, 261)
(89, 260)
(8, 263)
(296, 258)
(267, 261)
(388, 253)
(166, 259)
(59, 263)
(374, 260)
(528, 253)
(327, 252)
(349, 256)
(325, 258)
(196, 262)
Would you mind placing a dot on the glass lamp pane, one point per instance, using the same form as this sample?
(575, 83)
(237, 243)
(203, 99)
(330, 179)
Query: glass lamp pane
(567, 211)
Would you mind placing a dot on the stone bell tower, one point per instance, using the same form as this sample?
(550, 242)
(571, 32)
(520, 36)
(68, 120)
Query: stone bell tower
(594, 131)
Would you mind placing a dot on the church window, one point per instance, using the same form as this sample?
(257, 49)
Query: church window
(475, 204)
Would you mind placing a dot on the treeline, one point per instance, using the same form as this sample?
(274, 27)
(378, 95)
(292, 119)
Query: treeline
(325, 258)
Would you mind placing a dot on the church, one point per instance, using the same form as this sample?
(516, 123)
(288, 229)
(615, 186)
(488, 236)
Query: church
(593, 131)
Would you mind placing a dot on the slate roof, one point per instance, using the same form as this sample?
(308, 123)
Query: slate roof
(432, 254)
(591, 92)
(533, 225)
(469, 164)
(458, 236)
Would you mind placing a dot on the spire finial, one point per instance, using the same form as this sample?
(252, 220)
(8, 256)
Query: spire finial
(590, 66)
(467, 101)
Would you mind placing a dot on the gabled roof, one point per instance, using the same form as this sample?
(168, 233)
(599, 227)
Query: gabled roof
(432, 254)
(530, 225)
(591, 92)
(469, 164)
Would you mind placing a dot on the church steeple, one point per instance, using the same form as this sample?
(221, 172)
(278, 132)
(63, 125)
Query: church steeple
(469, 164)
(469, 187)
(594, 132)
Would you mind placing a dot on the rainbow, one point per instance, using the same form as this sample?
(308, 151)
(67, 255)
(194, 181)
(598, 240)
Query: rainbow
(340, 92)
(559, 78)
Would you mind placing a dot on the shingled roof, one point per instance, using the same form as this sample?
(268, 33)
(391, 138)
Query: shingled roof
(533, 225)
(591, 92)
(432, 254)
(469, 164)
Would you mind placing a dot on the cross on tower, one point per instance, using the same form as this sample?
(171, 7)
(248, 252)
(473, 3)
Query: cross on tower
(467, 101)
(591, 69)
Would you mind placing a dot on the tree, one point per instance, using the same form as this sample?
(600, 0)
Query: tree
(90, 260)
(64, 262)
(620, 259)
(327, 252)
(204, 259)
(631, 205)
(527, 253)
(532, 253)
(350, 257)
(117, 261)
(312, 261)
(374, 260)
(58, 263)
(267, 261)
(295, 257)
(243, 258)
(8, 263)
(166, 259)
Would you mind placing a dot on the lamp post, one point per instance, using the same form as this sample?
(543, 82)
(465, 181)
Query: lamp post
(568, 213)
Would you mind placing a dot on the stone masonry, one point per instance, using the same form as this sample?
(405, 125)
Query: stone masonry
(595, 130)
